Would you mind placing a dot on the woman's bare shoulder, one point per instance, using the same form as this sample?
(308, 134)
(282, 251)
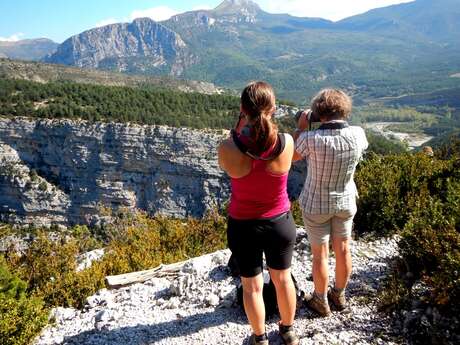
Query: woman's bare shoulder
(232, 160)
(289, 142)
(227, 146)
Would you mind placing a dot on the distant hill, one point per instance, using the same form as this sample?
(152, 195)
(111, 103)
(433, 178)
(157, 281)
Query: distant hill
(402, 49)
(34, 49)
(41, 72)
(435, 20)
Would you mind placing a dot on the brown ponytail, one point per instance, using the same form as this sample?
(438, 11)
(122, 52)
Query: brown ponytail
(258, 102)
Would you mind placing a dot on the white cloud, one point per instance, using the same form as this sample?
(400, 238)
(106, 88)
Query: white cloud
(329, 9)
(107, 21)
(156, 13)
(13, 38)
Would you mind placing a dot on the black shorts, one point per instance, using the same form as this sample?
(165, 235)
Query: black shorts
(248, 239)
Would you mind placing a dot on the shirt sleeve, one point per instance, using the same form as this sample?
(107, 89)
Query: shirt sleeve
(301, 144)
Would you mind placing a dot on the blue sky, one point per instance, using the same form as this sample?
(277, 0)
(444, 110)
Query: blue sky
(60, 19)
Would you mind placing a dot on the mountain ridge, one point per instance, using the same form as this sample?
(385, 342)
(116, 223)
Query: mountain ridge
(28, 49)
(371, 55)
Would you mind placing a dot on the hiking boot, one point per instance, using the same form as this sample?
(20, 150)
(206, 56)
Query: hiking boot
(337, 299)
(288, 335)
(254, 341)
(318, 305)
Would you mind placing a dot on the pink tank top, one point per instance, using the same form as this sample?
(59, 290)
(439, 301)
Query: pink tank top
(260, 194)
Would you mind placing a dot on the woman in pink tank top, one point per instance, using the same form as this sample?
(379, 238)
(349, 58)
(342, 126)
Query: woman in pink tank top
(257, 158)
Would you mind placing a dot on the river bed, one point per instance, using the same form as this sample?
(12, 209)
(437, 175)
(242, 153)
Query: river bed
(413, 140)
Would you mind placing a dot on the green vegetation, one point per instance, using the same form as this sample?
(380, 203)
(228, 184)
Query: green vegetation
(146, 105)
(378, 144)
(379, 113)
(45, 275)
(22, 315)
(133, 242)
(418, 197)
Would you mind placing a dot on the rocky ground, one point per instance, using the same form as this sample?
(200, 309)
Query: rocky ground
(199, 306)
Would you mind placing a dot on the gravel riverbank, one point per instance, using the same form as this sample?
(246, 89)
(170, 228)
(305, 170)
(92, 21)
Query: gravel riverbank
(199, 306)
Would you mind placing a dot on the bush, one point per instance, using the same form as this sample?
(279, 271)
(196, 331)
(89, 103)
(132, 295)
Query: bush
(21, 319)
(48, 267)
(21, 316)
(432, 254)
(133, 242)
(389, 189)
(418, 197)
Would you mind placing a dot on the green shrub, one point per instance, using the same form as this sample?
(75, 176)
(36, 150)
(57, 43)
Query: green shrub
(48, 267)
(419, 197)
(10, 285)
(134, 242)
(21, 316)
(21, 319)
(389, 188)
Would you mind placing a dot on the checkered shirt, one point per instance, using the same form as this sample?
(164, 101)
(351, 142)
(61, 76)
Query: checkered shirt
(332, 156)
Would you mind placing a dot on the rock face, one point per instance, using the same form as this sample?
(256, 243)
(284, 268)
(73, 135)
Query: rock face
(62, 171)
(140, 45)
(59, 171)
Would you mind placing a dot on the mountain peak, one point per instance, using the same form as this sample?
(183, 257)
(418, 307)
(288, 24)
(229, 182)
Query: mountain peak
(237, 6)
(143, 21)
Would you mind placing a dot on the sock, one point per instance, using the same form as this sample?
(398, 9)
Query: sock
(261, 337)
(339, 291)
(321, 296)
(284, 329)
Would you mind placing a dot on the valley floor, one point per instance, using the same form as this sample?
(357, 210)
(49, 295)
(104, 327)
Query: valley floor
(413, 140)
(198, 306)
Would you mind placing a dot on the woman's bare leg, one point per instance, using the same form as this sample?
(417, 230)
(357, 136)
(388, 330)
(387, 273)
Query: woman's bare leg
(254, 303)
(285, 294)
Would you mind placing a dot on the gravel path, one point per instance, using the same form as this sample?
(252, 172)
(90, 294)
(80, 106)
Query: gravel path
(199, 307)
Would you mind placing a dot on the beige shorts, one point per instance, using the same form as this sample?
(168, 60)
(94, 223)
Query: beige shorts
(320, 227)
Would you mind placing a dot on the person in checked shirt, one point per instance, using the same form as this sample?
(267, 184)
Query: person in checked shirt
(328, 198)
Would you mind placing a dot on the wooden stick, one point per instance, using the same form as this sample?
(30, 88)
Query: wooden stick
(121, 280)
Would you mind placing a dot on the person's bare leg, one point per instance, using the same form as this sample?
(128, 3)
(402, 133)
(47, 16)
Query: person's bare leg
(285, 294)
(343, 266)
(320, 267)
(254, 303)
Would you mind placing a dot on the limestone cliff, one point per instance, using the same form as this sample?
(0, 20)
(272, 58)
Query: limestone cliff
(142, 45)
(60, 171)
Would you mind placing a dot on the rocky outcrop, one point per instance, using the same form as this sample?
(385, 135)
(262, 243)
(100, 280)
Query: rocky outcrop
(142, 45)
(199, 306)
(62, 171)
